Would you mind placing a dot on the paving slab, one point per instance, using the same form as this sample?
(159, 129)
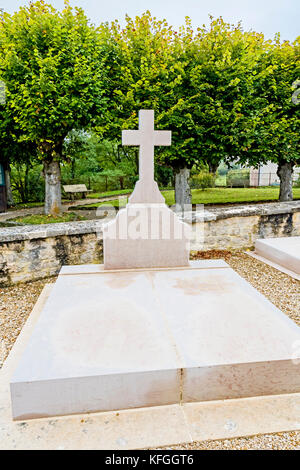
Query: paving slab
(129, 339)
(284, 252)
(144, 427)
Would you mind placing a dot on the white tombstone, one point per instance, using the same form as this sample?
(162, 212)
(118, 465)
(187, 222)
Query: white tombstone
(146, 233)
(130, 338)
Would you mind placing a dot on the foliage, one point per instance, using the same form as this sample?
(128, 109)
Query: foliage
(238, 178)
(203, 180)
(71, 88)
(220, 180)
(50, 62)
(98, 163)
(27, 182)
(274, 133)
(164, 176)
(196, 81)
(223, 168)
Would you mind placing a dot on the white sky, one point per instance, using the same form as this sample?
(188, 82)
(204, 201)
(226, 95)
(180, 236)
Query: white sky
(267, 16)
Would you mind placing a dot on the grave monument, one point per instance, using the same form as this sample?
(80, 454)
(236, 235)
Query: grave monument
(146, 233)
(149, 328)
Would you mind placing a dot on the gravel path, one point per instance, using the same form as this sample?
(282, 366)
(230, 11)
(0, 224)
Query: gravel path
(17, 302)
(12, 214)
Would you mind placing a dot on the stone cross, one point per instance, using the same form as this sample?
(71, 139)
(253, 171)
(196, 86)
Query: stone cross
(146, 138)
(146, 233)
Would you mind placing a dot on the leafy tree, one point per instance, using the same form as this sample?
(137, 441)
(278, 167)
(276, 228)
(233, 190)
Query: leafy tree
(196, 81)
(273, 116)
(141, 75)
(217, 69)
(51, 64)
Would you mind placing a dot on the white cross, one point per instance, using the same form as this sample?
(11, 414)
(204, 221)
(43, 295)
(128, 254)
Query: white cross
(146, 138)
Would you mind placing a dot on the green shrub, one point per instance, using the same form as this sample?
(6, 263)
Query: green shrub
(203, 180)
(238, 178)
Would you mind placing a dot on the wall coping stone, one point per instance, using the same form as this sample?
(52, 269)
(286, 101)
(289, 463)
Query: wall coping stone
(29, 232)
(246, 210)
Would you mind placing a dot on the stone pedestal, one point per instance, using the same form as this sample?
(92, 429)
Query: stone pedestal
(146, 236)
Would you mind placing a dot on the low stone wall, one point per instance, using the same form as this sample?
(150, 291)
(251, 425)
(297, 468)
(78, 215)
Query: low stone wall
(238, 228)
(35, 252)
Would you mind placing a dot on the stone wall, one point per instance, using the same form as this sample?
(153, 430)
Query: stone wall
(35, 252)
(240, 232)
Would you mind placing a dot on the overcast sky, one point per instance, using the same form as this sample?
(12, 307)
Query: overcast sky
(267, 16)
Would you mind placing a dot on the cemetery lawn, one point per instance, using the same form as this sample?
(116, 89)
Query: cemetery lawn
(213, 196)
(231, 195)
(37, 219)
(26, 205)
(117, 192)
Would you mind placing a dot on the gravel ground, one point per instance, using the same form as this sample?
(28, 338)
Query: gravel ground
(17, 302)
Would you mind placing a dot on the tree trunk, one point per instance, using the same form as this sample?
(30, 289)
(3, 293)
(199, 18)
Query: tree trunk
(183, 194)
(9, 194)
(73, 169)
(213, 167)
(52, 187)
(285, 173)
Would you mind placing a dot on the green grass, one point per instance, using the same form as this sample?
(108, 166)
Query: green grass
(48, 219)
(109, 193)
(208, 196)
(218, 196)
(231, 195)
(27, 205)
(113, 202)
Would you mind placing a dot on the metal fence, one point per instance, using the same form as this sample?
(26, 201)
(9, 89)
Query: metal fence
(256, 178)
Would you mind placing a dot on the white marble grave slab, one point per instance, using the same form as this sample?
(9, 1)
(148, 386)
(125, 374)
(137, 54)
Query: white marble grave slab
(284, 252)
(117, 340)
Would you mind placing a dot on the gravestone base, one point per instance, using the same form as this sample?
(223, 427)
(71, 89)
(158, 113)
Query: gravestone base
(163, 239)
(110, 340)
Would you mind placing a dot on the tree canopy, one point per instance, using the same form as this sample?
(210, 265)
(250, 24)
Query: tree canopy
(225, 94)
(50, 62)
